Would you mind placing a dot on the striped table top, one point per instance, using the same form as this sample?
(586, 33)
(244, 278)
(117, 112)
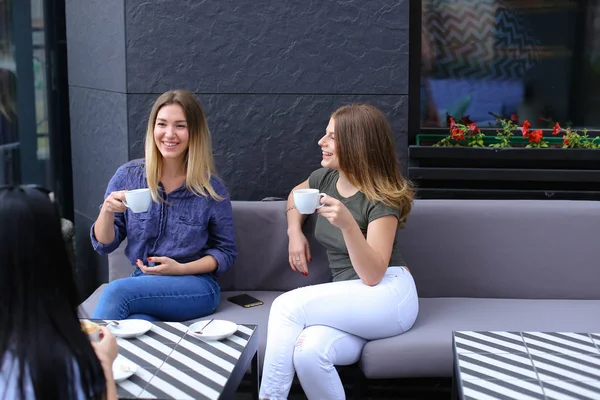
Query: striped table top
(174, 365)
(527, 365)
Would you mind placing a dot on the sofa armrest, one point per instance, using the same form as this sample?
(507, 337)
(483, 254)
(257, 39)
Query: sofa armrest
(118, 264)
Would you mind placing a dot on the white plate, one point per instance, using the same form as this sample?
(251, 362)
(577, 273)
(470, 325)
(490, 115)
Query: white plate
(123, 369)
(129, 328)
(217, 330)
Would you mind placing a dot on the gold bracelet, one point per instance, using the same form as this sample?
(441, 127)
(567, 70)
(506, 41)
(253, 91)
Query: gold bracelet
(289, 208)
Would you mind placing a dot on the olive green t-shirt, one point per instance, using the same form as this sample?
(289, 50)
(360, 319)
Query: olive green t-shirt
(363, 210)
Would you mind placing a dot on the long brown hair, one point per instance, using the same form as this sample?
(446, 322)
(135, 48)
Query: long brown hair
(367, 156)
(199, 162)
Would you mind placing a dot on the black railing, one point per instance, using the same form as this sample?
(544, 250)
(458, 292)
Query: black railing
(10, 163)
(511, 173)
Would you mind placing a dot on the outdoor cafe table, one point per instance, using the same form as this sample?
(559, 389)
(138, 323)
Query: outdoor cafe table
(526, 365)
(171, 364)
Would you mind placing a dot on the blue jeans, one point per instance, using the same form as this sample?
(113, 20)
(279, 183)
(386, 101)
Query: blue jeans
(156, 297)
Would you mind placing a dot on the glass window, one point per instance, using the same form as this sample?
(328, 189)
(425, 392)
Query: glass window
(9, 135)
(40, 90)
(535, 60)
(24, 144)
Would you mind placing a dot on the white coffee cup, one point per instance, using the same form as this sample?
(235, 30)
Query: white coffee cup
(138, 200)
(308, 200)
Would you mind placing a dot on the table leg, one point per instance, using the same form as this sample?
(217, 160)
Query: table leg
(254, 376)
(454, 390)
(455, 393)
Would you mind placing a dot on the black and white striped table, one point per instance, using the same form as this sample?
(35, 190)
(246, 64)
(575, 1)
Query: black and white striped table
(526, 365)
(174, 365)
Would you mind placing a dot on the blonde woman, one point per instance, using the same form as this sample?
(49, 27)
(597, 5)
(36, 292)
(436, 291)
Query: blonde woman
(373, 295)
(186, 238)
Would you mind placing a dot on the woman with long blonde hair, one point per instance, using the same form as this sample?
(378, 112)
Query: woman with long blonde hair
(373, 295)
(186, 237)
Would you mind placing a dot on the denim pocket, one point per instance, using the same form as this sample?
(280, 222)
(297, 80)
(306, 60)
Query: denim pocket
(192, 226)
(143, 216)
(189, 220)
(137, 222)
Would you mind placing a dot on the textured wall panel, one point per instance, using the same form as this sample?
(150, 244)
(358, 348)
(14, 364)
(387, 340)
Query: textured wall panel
(96, 44)
(98, 143)
(264, 46)
(266, 144)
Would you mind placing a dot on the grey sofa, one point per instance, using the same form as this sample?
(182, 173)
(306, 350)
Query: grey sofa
(512, 265)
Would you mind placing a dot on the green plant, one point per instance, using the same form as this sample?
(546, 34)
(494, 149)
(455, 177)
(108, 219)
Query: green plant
(462, 131)
(575, 140)
(503, 136)
(448, 141)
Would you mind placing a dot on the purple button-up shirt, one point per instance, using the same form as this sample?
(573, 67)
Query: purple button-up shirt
(185, 228)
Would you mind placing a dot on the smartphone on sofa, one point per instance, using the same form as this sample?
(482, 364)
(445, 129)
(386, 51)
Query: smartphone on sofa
(245, 300)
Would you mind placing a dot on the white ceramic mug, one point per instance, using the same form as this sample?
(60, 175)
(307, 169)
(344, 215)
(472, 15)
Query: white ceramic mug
(308, 200)
(138, 200)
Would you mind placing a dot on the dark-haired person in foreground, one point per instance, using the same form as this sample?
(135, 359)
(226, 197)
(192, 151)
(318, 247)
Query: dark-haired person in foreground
(44, 354)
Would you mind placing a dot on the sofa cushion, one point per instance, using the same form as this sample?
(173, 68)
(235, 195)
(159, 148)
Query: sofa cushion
(118, 264)
(504, 248)
(262, 241)
(426, 350)
(258, 315)
(86, 309)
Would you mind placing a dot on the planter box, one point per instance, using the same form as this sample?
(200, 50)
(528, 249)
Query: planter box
(516, 141)
(515, 172)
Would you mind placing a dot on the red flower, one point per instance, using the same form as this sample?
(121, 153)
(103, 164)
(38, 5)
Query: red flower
(525, 128)
(457, 134)
(452, 123)
(556, 129)
(514, 118)
(467, 120)
(565, 140)
(536, 136)
(473, 129)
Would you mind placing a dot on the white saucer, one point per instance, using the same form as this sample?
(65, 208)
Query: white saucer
(129, 328)
(123, 369)
(217, 330)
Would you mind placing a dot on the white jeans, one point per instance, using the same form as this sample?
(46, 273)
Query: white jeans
(313, 328)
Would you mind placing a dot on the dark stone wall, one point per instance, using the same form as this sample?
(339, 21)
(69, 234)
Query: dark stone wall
(268, 74)
(266, 144)
(98, 110)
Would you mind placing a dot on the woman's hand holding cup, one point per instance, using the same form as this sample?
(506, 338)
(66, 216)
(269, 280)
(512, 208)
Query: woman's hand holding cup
(114, 202)
(336, 213)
